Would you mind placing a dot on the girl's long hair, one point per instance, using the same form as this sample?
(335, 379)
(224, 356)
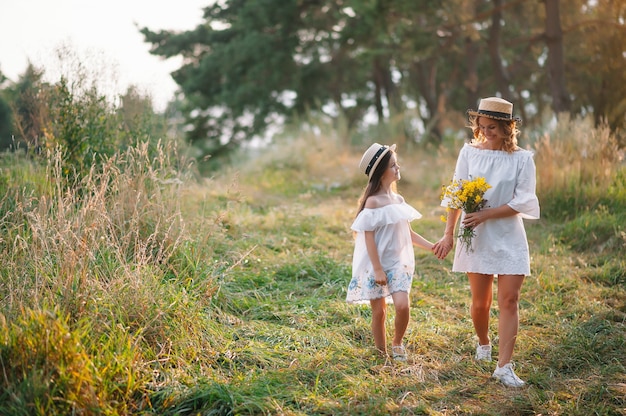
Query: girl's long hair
(508, 127)
(375, 183)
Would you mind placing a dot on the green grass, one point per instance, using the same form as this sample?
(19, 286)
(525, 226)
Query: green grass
(225, 296)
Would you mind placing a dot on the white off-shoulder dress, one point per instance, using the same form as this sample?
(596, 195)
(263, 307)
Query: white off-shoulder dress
(500, 245)
(395, 250)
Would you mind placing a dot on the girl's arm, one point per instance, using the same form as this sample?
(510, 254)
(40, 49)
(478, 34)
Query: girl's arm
(420, 241)
(379, 274)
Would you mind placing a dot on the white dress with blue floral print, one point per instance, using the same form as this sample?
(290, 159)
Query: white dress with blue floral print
(392, 234)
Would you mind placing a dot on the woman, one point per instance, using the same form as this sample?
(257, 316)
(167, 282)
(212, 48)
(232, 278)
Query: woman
(384, 262)
(500, 247)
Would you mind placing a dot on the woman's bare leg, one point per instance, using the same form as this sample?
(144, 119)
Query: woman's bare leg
(509, 287)
(481, 287)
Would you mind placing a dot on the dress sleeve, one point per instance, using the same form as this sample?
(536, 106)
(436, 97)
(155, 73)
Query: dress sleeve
(525, 199)
(365, 221)
(371, 219)
(461, 171)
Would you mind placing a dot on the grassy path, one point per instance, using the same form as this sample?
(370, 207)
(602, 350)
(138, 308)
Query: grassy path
(297, 348)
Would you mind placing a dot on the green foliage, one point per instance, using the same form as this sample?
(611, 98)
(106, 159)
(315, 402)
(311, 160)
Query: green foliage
(615, 198)
(80, 127)
(28, 99)
(78, 120)
(207, 397)
(22, 181)
(137, 122)
(88, 130)
(609, 272)
(590, 344)
(46, 358)
(596, 83)
(232, 84)
(418, 67)
(598, 230)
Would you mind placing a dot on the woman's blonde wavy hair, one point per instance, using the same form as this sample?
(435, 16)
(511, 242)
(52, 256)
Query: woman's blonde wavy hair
(509, 127)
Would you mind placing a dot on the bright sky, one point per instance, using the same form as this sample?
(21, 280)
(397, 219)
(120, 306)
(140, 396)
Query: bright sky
(102, 35)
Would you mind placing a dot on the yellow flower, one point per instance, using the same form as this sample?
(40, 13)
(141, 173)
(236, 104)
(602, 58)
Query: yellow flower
(467, 195)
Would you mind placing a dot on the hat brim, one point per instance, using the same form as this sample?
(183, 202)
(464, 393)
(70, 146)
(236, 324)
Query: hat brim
(504, 117)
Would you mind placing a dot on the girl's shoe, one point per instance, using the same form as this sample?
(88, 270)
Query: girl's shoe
(483, 352)
(398, 352)
(507, 376)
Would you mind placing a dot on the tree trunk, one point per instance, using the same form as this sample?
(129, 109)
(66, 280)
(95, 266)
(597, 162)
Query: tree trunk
(471, 81)
(555, 62)
(378, 79)
(499, 72)
(427, 83)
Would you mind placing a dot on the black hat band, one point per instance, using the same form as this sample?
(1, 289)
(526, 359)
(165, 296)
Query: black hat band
(495, 114)
(374, 159)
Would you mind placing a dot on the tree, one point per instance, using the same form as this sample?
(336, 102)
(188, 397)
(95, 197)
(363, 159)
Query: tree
(28, 98)
(137, 119)
(252, 62)
(327, 56)
(79, 121)
(234, 76)
(595, 60)
(6, 117)
(6, 124)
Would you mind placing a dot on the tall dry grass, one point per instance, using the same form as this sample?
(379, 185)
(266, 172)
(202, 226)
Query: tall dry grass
(119, 218)
(576, 164)
(85, 310)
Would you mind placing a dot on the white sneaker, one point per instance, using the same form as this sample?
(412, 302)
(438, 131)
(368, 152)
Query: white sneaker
(507, 376)
(483, 352)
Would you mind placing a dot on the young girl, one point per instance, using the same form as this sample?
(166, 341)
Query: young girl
(384, 262)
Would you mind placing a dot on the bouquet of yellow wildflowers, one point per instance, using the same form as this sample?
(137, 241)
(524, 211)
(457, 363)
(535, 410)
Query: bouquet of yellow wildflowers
(466, 195)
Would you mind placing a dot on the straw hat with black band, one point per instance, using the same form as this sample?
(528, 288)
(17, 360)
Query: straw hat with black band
(372, 157)
(495, 108)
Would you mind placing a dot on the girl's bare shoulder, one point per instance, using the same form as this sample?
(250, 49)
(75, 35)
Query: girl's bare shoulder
(372, 202)
(382, 200)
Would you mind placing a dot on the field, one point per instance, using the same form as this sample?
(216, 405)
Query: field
(146, 289)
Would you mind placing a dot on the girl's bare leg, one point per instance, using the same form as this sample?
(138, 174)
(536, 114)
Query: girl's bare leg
(401, 322)
(379, 315)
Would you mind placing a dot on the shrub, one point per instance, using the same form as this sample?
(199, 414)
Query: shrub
(596, 231)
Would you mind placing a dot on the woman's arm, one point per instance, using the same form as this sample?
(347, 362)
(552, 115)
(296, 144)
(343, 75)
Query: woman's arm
(445, 243)
(475, 218)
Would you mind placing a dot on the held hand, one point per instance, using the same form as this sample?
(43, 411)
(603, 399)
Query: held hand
(380, 277)
(443, 246)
